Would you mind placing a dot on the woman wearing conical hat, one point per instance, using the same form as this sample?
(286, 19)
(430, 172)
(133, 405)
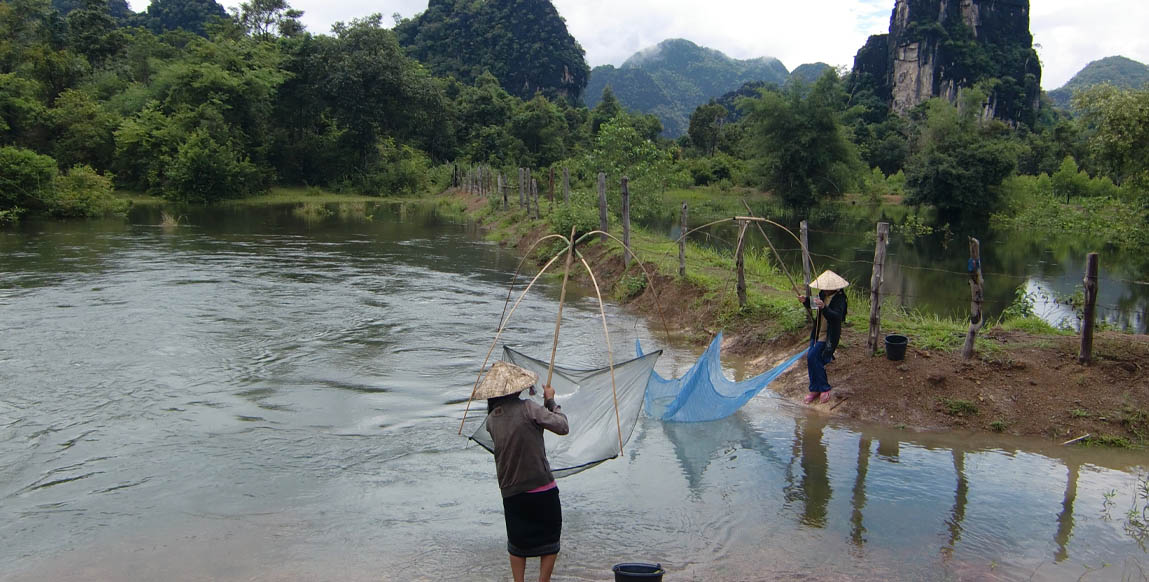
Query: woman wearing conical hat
(832, 307)
(531, 505)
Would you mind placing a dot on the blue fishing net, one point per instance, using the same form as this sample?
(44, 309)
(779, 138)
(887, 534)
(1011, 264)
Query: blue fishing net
(703, 393)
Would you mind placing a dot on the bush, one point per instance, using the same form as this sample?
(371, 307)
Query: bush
(584, 219)
(81, 192)
(26, 180)
(400, 169)
(206, 171)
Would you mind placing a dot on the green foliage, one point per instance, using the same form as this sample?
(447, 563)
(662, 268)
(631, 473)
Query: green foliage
(84, 130)
(83, 193)
(629, 286)
(1029, 203)
(720, 169)
(204, 170)
(998, 425)
(26, 179)
(400, 169)
(191, 15)
(582, 217)
(1117, 122)
(523, 43)
(801, 149)
(959, 163)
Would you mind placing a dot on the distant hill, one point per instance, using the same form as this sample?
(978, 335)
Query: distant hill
(673, 78)
(1119, 71)
(524, 44)
(809, 73)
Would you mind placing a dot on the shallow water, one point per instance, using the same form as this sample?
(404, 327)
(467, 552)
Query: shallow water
(265, 394)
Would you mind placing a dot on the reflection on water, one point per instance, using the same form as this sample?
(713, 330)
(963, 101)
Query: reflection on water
(272, 394)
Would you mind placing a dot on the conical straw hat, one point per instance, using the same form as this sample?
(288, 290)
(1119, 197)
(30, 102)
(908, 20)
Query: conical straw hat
(829, 281)
(504, 378)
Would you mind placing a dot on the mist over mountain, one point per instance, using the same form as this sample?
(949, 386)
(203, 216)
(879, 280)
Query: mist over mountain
(674, 77)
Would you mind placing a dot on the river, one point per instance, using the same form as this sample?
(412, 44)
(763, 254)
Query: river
(274, 394)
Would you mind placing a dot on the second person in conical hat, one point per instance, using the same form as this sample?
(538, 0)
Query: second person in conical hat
(832, 307)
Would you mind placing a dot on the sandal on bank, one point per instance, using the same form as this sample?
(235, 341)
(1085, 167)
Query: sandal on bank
(811, 397)
(825, 397)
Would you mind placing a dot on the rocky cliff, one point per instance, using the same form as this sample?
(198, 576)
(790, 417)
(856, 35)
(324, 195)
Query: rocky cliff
(937, 47)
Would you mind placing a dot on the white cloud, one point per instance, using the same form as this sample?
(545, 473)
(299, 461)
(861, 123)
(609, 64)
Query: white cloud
(1071, 32)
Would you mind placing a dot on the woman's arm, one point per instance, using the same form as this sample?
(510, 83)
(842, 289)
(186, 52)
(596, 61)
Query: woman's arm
(551, 416)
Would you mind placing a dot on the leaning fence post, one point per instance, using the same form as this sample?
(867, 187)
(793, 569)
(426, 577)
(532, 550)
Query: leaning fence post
(682, 245)
(1086, 355)
(876, 286)
(602, 222)
(740, 262)
(626, 220)
(977, 293)
(566, 186)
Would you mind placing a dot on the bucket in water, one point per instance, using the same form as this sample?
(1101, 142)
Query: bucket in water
(896, 347)
(639, 572)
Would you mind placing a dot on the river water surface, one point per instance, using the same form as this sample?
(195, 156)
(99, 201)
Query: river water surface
(274, 394)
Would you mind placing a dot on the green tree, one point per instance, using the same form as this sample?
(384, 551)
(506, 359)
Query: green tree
(204, 170)
(541, 128)
(607, 109)
(26, 180)
(959, 160)
(1117, 129)
(706, 125)
(21, 113)
(83, 131)
(798, 143)
(267, 19)
(191, 15)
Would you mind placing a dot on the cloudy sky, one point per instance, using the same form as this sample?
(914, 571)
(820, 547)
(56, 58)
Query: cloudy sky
(1070, 33)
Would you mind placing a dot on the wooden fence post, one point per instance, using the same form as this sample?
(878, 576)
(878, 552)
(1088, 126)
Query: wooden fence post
(740, 262)
(977, 293)
(535, 195)
(502, 192)
(552, 187)
(682, 245)
(566, 186)
(626, 220)
(602, 221)
(876, 287)
(522, 190)
(1091, 288)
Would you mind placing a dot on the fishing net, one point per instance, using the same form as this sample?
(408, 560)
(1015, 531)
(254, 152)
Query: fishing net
(588, 402)
(703, 393)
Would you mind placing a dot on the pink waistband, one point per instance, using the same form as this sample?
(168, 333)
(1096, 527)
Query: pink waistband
(546, 487)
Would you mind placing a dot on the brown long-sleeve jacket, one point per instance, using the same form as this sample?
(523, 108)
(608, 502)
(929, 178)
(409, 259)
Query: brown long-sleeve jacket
(517, 429)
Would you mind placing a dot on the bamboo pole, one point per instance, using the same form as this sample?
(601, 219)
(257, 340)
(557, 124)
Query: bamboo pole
(535, 195)
(626, 219)
(562, 300)
(1090, 314)
(502, 191)
(976, 283)
(876, 286)
(781, 263)
(740, 262)
(806, 259)
(609, 351)
(682, 246)
(522, 190)
(499, 334)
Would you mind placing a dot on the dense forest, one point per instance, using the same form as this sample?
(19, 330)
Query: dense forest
(194, 104)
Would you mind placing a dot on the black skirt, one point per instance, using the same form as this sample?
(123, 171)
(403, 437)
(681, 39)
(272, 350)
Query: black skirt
(534, 523)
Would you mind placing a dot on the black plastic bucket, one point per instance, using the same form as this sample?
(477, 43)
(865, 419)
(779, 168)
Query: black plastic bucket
(896, 347)
(641, 572)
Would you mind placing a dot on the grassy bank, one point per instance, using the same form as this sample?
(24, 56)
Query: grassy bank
(1024, 379)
